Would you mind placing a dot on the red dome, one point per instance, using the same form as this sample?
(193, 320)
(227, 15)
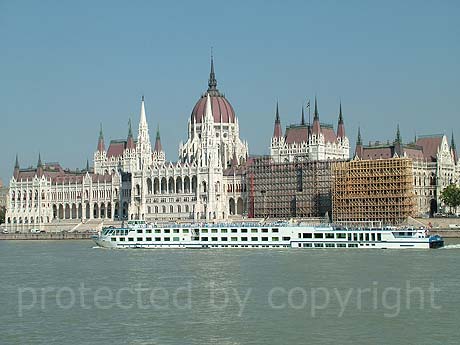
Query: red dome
(221, 108)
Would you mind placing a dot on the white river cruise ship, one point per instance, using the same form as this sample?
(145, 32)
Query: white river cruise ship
(139, 234)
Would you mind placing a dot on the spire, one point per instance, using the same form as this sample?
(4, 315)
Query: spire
(316, 114)
(340, 126)
(452, 142)
(16, 164)
(398, 139)
(87, 165)
(359, 140)
(316, 125)
(143, 119)
(100, 143)
(277, 133)
(453, 149)
(359, 145)
(212, 82)
(302, 121)
(158, 148)
(130, 142)
(39, 164)
(208, 110)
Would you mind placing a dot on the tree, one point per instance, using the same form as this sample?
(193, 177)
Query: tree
(451, 196)
(2, 214)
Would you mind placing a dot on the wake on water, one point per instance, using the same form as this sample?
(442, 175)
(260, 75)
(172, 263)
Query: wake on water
(452, 246)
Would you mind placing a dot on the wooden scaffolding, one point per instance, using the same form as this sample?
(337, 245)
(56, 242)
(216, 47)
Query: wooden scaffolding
(379, 190)
(292, 189)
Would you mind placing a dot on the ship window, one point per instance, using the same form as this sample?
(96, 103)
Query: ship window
(349, 237)
(275, 230)
(330, 245)
(167, 231)
(330, 235)
(148, 239)
(361, 237)
(355, 237)
(139, 231)
(185, 231)
(167, 239)
(307, 235)
(319, 245)
(158, 231)
(275, 238)
(224, 231)
(341, 245)
(204, 231)
(139, 239)
(264, 238)
(214, 238)
(113, 239)
(122, 239)
(244, 238)
(254, 231)
(373, 237)
(204, 238)
(286, 238)
(319, 235)
(214, 231)
(157, 239)
(148, 231)
(307, 245)
(367, 237)
(244, 230)
(341, 235)
(379, 237)
(234, 238)
(130, 239)
(176, 231)
(264, 230)
(254, 239)
(234, 230)
(352, 245)
(177, 239)
(223, 239)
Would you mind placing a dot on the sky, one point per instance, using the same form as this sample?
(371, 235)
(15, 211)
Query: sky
(67, 66)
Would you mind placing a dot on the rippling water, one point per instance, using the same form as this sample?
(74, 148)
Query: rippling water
(68, 292)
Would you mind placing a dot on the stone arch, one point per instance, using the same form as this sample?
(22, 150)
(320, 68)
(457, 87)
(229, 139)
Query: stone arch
(109, 210)
(116, 212)
(186, 184)
(433, 207)
(61, 212)
(179, 209)
(179, 185)
(164, 185)
(156, 185)
(67, 211)
(8, 220)
(239, 206)
(171, 185)
(171, 209)
(138, 190)
(102, 211)
(125, 210)
(204, 187)
(163, 209)
(149, 185)
(231, 206)
(55, 211)
(95, 211)
(80, 211)
(87, 211)
(74, 211)
(194, 184)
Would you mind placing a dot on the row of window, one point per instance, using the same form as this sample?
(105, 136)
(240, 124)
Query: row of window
(341, 235)
(204, 239)
(206, 231)
(332, 245)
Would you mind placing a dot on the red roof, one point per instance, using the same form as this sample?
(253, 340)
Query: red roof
(430, 145)
(219, 105)
(299, 133)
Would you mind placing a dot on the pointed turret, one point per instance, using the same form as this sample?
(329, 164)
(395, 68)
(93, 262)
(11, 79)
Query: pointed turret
(130, 142)
(340, 125)
(100, 143)
(158, 148)
(453, 148)
(359, 145)
(212, 82)
(234, 162)
(208, 110)
(39, 166)
(316, 125)
(302, 120)
(398, 139)
(277, 133)
(16, 167)
(87, 165)
(143, 119)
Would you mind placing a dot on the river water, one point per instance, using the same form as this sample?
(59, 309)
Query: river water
(69, 292)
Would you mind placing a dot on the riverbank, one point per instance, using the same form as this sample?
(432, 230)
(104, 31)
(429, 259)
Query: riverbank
(48, 236)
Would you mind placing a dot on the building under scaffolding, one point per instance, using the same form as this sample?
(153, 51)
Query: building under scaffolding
(292, 189)
(373, 190)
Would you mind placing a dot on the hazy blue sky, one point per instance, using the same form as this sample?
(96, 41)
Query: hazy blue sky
(67, 66)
